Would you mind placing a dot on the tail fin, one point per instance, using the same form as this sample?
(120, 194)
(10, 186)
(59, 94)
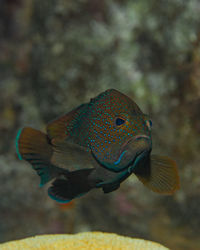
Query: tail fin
(34, 147)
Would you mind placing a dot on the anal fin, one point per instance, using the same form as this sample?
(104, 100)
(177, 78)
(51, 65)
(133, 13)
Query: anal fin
(73, 185)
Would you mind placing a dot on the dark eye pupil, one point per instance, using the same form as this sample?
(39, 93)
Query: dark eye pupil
(119, 121)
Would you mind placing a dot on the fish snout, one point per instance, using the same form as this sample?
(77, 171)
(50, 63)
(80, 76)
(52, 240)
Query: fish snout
(138, 144)
(138, 149)
(132, 151)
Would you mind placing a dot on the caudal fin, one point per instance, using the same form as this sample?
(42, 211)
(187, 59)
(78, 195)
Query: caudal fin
(162, 176)
(33, 146)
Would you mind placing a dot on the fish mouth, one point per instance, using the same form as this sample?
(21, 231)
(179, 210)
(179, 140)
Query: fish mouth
(132, 140)
(132, 151)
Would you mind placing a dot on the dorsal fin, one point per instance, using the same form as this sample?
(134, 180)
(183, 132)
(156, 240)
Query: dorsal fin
(60, 127)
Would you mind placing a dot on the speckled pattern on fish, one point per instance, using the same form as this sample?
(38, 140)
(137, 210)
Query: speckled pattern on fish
(97, 145)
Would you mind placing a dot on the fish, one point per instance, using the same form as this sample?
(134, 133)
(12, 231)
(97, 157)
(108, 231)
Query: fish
(99, 144)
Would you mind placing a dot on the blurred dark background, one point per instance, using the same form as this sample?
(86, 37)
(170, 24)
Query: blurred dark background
(57, 54)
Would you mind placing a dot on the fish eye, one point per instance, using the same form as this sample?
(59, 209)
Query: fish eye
(119, 121)
(149, 124)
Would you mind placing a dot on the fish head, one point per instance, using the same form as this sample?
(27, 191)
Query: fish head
(120, 133)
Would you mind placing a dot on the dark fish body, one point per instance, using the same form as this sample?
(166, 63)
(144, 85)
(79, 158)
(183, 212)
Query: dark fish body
(97, 145)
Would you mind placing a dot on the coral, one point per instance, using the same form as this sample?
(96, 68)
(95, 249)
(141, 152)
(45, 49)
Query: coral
(88, 240)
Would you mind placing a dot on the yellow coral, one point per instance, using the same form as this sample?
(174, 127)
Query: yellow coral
(83, 241)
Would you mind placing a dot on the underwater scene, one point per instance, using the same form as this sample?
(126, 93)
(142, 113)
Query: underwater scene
(100, 124)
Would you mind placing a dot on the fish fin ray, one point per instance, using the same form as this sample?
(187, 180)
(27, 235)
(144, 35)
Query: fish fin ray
(32, 141)
(65, 155)
(33, 146)
(163, 175)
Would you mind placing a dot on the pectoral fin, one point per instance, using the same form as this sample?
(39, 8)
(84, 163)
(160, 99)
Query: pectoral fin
(160, 175)
(71, 156)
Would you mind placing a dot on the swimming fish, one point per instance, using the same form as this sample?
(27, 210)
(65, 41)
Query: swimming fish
(97, 145)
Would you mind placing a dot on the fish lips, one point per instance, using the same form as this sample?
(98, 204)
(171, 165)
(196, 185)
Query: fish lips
(131, 153)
